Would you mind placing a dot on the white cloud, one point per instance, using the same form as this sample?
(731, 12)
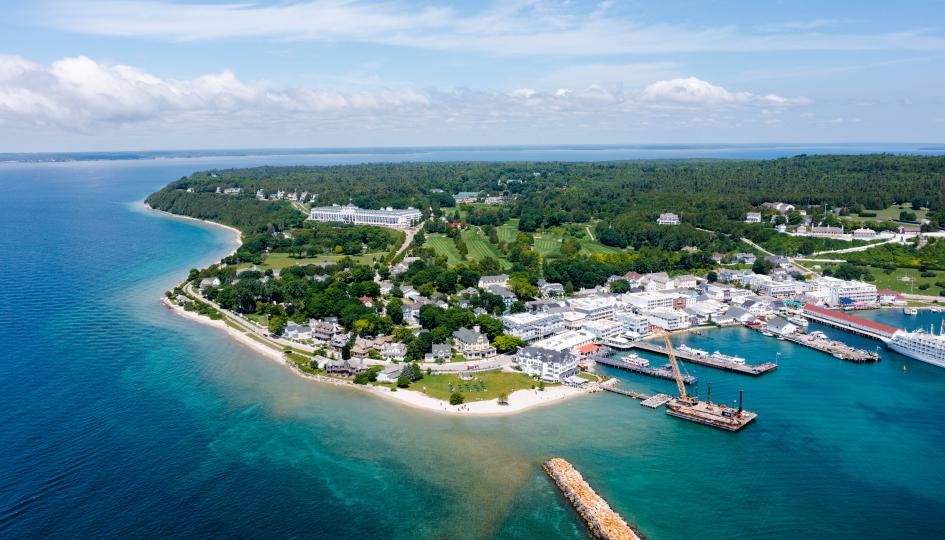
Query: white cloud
(82, 95)
(506, 28)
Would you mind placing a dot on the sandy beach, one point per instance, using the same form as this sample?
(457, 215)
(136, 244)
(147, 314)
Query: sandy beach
(519, 401)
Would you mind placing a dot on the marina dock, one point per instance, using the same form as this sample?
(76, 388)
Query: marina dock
(659, 373)
(708, 361)
(849, 323)
(602, 521)
(832, 347)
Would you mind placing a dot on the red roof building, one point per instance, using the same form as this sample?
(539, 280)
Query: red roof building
(851, 320)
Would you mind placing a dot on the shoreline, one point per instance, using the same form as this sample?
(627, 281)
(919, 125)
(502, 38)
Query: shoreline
(519, 401)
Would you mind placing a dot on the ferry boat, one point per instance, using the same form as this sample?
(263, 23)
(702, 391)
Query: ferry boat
(727, 358)
(910, 311)
(800, 322)
(635, 359)
(694, 352)
(925, 347)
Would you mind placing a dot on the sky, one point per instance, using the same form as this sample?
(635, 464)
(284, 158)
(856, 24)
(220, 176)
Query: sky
(189, 74)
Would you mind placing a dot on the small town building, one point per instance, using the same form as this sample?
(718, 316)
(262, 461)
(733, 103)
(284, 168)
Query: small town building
(548, 364)
(668, 218)
(472, 344)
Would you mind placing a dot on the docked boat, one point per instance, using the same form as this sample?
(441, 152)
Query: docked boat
(767, 333)
(727, 358)
(935, 309)
(635, 359)
(800, 322)
(925, 347)
(910, 311)
(694, 352)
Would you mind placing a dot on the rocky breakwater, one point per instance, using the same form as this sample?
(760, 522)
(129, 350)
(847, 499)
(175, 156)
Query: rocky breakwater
(601, 519)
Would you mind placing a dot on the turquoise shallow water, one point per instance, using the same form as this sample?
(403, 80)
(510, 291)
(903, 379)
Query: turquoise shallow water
(122, 420)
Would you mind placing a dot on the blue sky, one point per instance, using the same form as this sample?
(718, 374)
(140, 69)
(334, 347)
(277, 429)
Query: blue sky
(155, 74)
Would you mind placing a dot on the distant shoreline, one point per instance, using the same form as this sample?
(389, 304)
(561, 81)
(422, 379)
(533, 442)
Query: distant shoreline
(519, 401)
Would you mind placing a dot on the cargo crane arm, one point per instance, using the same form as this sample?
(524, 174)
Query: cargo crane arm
(676, 374)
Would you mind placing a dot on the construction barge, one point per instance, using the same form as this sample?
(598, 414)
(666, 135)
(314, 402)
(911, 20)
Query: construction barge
(602, 521)
(820, 342)
(717, 360)
(639, 365)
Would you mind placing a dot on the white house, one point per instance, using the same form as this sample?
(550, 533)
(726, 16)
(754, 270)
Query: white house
(753, 217)
(385, 217)
(668, 319)
(473, 344)
(532, 326)
(548, 364)
(390, 374)
(501, 280)
(668, 218)
(394, 351)
(864, 234)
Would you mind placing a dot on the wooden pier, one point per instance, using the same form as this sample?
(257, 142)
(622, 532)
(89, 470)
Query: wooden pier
(832, 347)
(659, 373)
(744, 369)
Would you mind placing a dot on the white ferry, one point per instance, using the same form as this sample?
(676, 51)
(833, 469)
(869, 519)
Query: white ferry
(800, 322)
(699, 353)
(635, 360)
(728, 358)
(926, 347)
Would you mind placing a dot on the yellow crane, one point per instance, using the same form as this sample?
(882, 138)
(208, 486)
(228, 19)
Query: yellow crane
(683, 396)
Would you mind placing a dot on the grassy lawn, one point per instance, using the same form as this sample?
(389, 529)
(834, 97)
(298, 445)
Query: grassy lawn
(895, 281)
(547, 244)
(443, 245)
(496, 382)
(592, 247)
(893, 212)
(284, 260)
(479, 247)
(508, 231)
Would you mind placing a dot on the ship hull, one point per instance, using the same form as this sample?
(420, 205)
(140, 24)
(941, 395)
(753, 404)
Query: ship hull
(939, 362)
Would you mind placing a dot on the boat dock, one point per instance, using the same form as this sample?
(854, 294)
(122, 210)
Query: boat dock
(837, 349)
(849, 323)
(708, 361)
(602, 521)
(656, 401)
(659, 373)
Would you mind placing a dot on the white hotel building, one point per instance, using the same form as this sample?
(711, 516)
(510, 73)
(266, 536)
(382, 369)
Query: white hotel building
(532, 326)
(385, 217)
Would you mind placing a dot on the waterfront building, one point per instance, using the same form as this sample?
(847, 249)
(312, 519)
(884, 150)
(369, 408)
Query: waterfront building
(390, 374)
(647, 301)
(473, 344)
(385, 217)
(548, 364)
(847, 292)
(603, 328)
(668, 218)
(668, 319)
(633, 323)
(532, 326)
(571, 340)
(594, 307)
(781, 326)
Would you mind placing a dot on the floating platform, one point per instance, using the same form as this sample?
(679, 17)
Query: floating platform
(657, 401)
(602, 521)
(707, 361)
(710, 414)
(660, 373)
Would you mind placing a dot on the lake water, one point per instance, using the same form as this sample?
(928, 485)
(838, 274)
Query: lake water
(119, 419)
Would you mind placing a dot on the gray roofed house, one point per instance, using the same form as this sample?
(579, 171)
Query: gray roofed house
(781, 326)
(473, 344)
(549, 364)
(738, 314)
(345, 368)
(487, 281)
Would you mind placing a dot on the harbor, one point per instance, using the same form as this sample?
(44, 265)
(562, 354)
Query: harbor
(820, 342)
(716, 360)
(602, 521)
(639, 365)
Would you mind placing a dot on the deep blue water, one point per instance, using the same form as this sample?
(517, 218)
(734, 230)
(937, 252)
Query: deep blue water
(119, 419)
